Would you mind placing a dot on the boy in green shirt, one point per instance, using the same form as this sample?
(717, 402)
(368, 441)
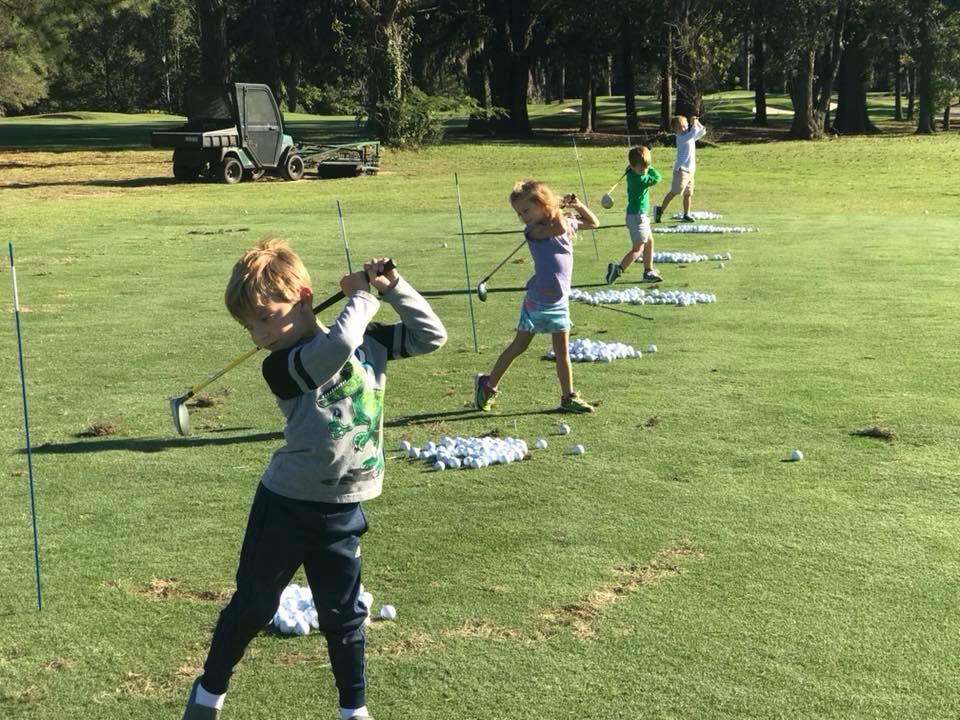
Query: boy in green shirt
(641, 176)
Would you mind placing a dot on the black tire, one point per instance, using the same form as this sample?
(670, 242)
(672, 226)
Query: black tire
(229, 170)
(254, 174)
(292, 168)
(185, 172)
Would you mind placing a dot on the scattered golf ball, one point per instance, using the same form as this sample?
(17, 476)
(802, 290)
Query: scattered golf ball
(578, 450)
(413, 452)
(443, 244)
(651, 348)
(438, 465)
(564, 429)
(721, 266)
(388, 612)
(542, 444)
(405, 445)
(796, 455)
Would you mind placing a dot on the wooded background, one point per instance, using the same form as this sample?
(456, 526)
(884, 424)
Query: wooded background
(390, 62)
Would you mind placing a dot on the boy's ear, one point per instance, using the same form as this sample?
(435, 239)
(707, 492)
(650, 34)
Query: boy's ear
(306, 294)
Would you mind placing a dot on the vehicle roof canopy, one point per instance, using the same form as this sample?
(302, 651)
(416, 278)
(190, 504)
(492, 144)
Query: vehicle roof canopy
(219, 101)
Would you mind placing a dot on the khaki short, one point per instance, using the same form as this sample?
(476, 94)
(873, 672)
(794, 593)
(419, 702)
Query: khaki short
(682, 182)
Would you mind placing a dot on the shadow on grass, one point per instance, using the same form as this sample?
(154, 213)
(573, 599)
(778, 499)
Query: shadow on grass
(151, 445)
(129, 183)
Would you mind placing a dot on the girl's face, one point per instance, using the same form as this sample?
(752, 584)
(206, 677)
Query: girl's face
(529, 211)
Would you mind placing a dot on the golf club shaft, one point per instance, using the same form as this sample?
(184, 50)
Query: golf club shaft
(332, 300)
(504, 261)
(617, 183)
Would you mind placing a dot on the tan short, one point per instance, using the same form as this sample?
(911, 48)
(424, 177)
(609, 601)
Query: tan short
(682, 182)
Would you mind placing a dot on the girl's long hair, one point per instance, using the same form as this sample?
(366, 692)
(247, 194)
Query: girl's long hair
(539, 193)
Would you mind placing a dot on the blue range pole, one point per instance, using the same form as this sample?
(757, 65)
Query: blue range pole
(26, 425)
(466, 263)
(583, 189)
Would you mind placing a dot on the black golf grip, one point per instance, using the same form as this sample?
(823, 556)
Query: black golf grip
(334, 299)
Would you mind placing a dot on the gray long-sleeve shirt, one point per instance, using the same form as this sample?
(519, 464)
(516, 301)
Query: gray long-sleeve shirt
(330, 389)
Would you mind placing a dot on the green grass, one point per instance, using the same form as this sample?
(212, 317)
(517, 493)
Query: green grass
(680, 569)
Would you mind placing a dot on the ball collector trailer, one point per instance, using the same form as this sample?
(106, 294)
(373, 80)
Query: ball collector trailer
(234, 131)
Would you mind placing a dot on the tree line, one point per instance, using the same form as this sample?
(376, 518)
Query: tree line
(394, 63)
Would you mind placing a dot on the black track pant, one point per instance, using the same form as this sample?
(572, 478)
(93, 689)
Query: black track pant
(283, 534)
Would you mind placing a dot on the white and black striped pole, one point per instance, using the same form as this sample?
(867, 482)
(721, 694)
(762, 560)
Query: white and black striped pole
(26, 426)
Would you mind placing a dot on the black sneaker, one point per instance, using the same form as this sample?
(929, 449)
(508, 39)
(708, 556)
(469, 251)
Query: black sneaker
(196, 711)
(657, 213)
(651, 275)
(687, 218)
(613, 272)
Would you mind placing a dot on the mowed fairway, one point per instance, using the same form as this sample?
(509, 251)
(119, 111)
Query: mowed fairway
(681, 568)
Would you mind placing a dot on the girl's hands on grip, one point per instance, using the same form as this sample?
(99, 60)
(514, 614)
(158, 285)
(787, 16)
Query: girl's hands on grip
(380, 280)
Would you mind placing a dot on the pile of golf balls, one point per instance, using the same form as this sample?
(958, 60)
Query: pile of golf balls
(700, 228)
(677, 257)
(586, 350)
(639, 296)
(467, 452)
(699, 215)
(297, 614)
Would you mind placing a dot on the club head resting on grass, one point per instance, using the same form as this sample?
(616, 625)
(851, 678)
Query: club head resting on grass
(181, 415)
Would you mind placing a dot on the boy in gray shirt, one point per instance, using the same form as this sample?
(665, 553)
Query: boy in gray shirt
(329, 384)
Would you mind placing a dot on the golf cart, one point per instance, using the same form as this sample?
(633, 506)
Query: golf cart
(235, 130)
(232, 130)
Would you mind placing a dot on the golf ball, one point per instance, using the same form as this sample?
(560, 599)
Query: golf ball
(578, 450)
(388, 612)
(542, 444)
(438, 465)
(365, 599)
(564, 429)
(651, 348)
(721, 266)
(796, 455)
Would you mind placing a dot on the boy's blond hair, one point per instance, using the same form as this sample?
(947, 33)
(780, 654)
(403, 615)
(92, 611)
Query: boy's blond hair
(538, 192)
(679, 123)
(268, 272)
(640, 155)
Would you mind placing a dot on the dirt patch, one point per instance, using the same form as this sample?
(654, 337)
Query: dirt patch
(876, 432)
(416, 645)
(144, 685)
(162, 589)
(478, 629)
(583, 616)
(205, 401)
(98, 430)
(651, 421)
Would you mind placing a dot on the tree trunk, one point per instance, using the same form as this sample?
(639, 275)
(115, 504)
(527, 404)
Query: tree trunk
(587, 100)
(925, 68)
(214, 53)
(479, 89)
(852, 117)
(629, 80)
(512, 25)
(666, 79)
(804, 126)
(898, 92)
(946, 116)
(911, 76)
(268, 61)
(831, 66)
(759, 66)
(292, 83)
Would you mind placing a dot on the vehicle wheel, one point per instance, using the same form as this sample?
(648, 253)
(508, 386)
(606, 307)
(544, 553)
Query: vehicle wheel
(254, 174)
(292, 167)
(185, 172)
(229, 170)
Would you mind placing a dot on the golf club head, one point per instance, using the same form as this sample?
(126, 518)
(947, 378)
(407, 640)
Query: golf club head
(607, 201)
(181, 415)
(482, 292)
